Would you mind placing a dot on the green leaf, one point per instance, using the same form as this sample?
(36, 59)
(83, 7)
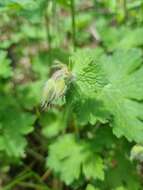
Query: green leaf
(5, 69)
(17, 4)
(111, 35)
(91, 187)
(88, 74)
(123, 92)
(64, 3)
(63, 155)
(93, 167)
(115, 80)
(29, 94)
(52, 123)
(121, 188)
(89, 110)
(67, 152)
(131, 39)
(118, 166)
(120, 36)
(14, 125)
(89, 80)
(33, 32)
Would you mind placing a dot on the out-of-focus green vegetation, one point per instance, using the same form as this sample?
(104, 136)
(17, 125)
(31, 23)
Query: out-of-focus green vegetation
(82, 60)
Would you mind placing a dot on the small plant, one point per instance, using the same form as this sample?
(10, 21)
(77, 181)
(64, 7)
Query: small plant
(71, 95)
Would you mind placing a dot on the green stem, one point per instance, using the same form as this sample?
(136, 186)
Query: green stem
(35, 155)
(20, 178)
(33, 186)
(125, 10)
(47, 18)
(48, 30)
(47, 23)
(55, 21)
(17, 181)
(72, 4)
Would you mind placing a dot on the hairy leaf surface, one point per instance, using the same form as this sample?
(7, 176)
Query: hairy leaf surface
(117, 81)
(123, 92)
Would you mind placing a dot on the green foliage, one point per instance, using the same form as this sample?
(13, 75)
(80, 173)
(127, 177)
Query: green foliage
(12, 131)
(116, 176)
(91, 187)
(89, 133)
(88, 73)
(67, 152)
(52, 123)
(89, 110)
(5, 70)
(122, 89)
(16, 5)
(121, 37)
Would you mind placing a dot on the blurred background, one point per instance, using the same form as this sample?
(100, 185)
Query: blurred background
(33, 35)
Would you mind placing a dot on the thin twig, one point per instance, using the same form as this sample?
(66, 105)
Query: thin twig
(33, 186)
(46, 175)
